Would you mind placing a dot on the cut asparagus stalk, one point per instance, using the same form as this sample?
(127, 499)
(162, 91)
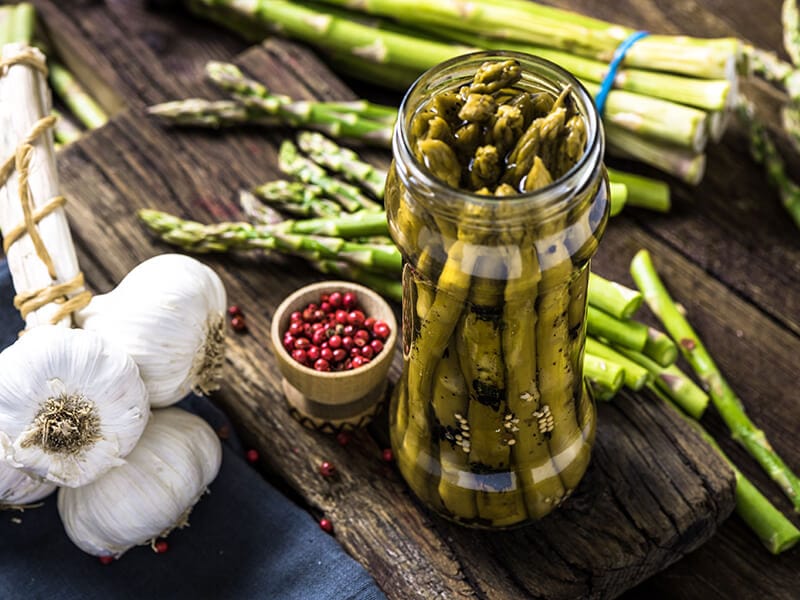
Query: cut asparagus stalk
(613, 298)
(775, 531)
(605, 376)
(660, 347)
(684, 165)
(730, 407)
(24, 89)
(628, 334)
(348, 226)
(674, 383)
(643, 192)
(636, 376)
(618, 197)
(16, 23)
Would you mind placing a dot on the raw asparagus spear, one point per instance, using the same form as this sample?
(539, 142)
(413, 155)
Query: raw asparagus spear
(329, 154)
(350, 197)
(629, 334)
(359, 120)
(297, 198)
(673, 382)
(75, 96)
(730, 407)
(636, 376)
(387, 287)
(223, 237)
(605, 376)
(197, 112)
(613, 298)
(643, 192)
(775, 531)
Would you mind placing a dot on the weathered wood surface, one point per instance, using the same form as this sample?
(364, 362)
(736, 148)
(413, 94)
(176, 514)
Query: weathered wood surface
(748, 315)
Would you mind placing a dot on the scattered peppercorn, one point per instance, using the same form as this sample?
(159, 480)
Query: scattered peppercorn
(235, 311)
(388, 455)
(251, 456)
(239, 324)
(106, 560)
(326, 525)
(327, 469)
(343, 437)
(161, 546)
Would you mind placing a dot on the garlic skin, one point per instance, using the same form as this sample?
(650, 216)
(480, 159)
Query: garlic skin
(17, 488)
(71, 405)
(168, 313)
(153, 493)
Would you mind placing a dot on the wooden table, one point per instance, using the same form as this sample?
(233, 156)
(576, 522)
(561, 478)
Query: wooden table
(728, 250)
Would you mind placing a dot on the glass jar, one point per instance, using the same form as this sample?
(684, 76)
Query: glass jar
(491, 423)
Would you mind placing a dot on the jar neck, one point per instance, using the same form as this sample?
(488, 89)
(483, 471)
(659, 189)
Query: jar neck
(539, 75)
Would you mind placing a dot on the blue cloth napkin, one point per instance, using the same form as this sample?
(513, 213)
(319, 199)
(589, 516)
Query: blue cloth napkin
(246, 540)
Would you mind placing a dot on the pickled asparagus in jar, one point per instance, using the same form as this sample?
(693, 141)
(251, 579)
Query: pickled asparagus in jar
(497, 199)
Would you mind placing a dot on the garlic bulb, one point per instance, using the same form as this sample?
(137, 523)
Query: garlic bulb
(71, 405)
(168, 313)
(17, 488)
(153, 493)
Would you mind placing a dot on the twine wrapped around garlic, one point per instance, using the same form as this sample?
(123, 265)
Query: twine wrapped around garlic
(74, 403)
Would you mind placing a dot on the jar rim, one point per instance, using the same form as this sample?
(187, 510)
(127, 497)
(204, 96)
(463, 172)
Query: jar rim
(543, 197)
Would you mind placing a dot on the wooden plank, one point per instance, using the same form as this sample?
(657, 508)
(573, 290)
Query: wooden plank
(647, 500)
(727, 565)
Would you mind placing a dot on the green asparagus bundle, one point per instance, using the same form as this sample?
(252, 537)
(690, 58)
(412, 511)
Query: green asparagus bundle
(17, 23)
(665, 95)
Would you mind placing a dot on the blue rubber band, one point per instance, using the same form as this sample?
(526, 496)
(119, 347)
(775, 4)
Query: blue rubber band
(613, 67)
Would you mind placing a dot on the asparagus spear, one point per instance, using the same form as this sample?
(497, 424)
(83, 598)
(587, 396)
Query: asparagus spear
(612, 297)
(764, 152)
(775, 531)
(197, 112)
(618, 197)
(605, 376)
(642, 192)
(359, 120)
(357, 225)
(329, 29)
(555, 28)
(660, 348)
(75, 96)
(628, 334)
(673, 382)
(223, 237)
(350, 197)
(297, 198)
(449, 400)
(386, 286)
(730, 407)
(329, 154)
(636, 376)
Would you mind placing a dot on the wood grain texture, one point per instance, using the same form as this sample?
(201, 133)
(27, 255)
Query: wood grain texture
(730, 228)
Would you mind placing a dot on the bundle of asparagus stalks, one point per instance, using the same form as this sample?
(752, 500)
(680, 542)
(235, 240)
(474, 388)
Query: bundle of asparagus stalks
(338, 226)
(673, 94)
(668, 101)
(80, 111)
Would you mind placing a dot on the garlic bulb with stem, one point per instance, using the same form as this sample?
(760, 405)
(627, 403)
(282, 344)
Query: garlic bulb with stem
(18, 489)
(168, 313)
(71, 405)
(176, 459)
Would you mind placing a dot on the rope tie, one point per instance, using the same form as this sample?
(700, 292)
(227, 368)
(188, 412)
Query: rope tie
(57, 293)
(613, 69)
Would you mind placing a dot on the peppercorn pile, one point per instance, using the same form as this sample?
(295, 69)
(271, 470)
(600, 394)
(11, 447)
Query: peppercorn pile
(334, 335)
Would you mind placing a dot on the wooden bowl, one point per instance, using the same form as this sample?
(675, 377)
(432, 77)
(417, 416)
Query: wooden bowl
(333, 401)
